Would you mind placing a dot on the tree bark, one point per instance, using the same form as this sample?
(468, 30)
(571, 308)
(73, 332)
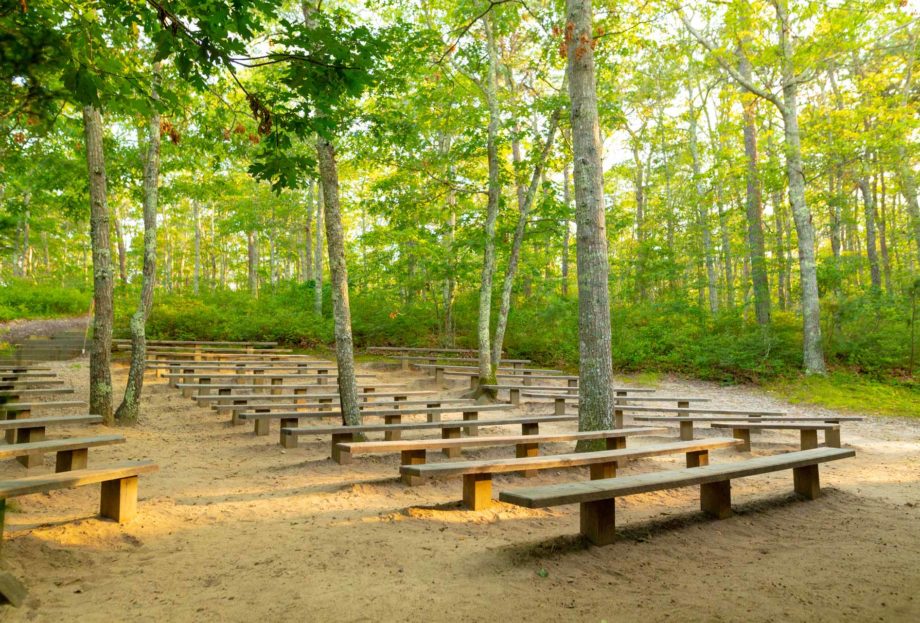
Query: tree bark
(120, 245)
(567, 201)
(338, 276)
(595, 409)
(318, 256)
(703, 214)
(197, 274)
(252, 245)
(100, 376)
(308, 233)
(486, 369)
(754, 202)
(875, 274)
(525, 203)
(128, 410)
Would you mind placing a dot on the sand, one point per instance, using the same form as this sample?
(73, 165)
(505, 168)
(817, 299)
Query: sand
(234, 528)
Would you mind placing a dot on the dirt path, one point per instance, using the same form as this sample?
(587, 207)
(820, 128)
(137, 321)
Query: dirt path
(234, 528)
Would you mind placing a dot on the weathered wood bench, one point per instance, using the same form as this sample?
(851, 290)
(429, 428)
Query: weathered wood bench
(687, 422)
(366, 396)
(327, 405)
(515, 391)
(414, 451)
(266, 377)
(226, 389)
(13, 395)
(28, 383)
(450, 429)
(684, 411)
(597, 498)
(10, 377)
(71, 452)
(23, 410)
(560, 400)
(808, 432)
(477, 475)
(440, 370)
(118, 495)
(14, 368)
(30, 430)
(125, 341)
(390, 415)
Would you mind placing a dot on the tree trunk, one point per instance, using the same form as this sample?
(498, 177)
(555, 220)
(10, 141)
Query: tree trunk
(252, 244)
(782, 286)
(754, 202)
(197, 274)
(882, 218)
(524, 208)
(100, 376)
(639, 183)
(308, 233)
(338, 276)
(567, 201)
(595, 409)
(813, 351)
(703, 214)
(726, 248)
(120, 245)
(318, 256)
(875, 274)
(128, 410)
(486, 369)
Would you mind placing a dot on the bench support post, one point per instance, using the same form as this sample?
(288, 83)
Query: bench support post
(600, 471)
(806, 481)
(744, 434)
(832, 438)
(698, 458)
(615, 443)
(514, 396)
(288, 440)
(451, 433)
(524, 450)
(342, 457)
(68, 460)
(261, 425)
(30, 435)
(558, 406)
(392, 435)
(686, 431)
(411, 457)
(716, 499)
(598, 521)
(809, 439)
(471, 416)
(119, 499)
(477, 491)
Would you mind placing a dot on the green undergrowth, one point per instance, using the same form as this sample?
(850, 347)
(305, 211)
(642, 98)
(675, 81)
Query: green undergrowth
(21, 299)
(845, 391)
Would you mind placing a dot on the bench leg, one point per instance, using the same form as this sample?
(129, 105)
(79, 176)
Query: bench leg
(524, 450)
(119, 499)
(686, 431)
(598, 521)
(451, 433)
(514, 396)
(806, 481)
(744, 434)
(559, 406)
(809, 439)
(30, 435)
(68, 460)
(471, 431)
(290, 422)
(618, 418)
(530, 428)
(615, 443)
(288, 440)
(832, 438)
(261, 426)
(698, 458)
(477, 491)
(716, 499)
(340, 456)
(412, 457)
(600, 471)
(392, 435)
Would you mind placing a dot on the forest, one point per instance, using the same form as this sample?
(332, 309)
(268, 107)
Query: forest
(741, 198)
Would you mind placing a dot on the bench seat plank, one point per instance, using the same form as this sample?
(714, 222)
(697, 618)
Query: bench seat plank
(35, 422)
(595, 490)
(43, 483)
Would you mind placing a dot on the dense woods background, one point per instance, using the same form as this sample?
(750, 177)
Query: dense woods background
(708, 234)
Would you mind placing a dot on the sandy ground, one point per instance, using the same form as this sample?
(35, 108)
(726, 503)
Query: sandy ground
(234, 528)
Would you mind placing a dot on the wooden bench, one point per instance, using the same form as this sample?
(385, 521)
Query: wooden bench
(118, 495)
(687, 422)
(30, 430)
(218, 399)
(477, 475)
(408, 360)
(450, 429)
(440, 370)
(15, 368)
(414, 451)
(391, 416)
(515, 391)
(72, 452)
(28, 383)
(226, 389)
(684, 411)
(328, 404)
(808, 432)
(126, 341)
(10, 377)
(13, 395)
(560, 400)
(597, 498)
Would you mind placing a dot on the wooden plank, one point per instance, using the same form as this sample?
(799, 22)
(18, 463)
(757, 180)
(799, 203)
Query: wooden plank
(364, 406)
(49, 482)
(560, 461)
(752, 419)
(286, 375)
(57, 445)
(370, 428)
(748, 425)
(35, 422)
(557, 390)
(362, 389)
(383, 447)
(588, 491)
(690, 410)
(379, 412)
(333, 397)
(50, 404)
(41, 391)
